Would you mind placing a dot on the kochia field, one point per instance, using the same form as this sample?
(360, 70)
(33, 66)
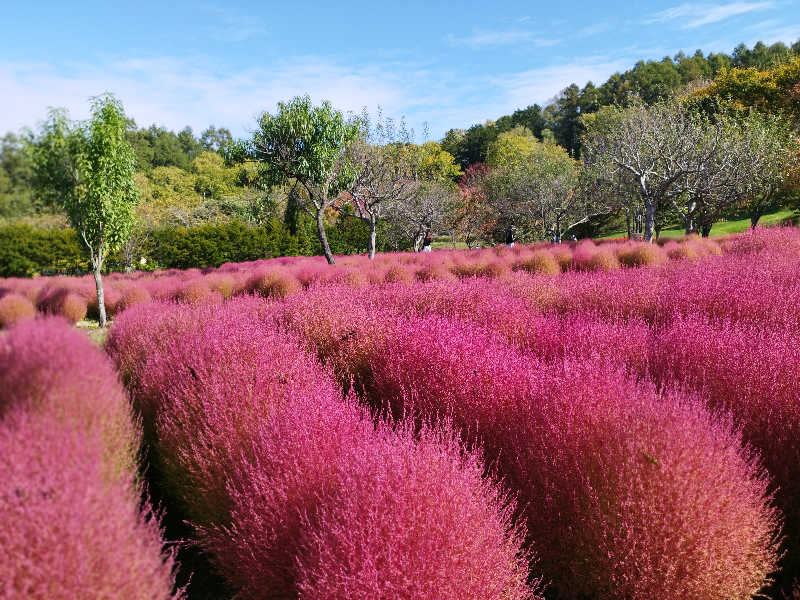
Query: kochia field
(588, 421)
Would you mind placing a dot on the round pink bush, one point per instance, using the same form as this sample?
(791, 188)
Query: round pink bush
(69, 495)
(15, 308)
(454, 545)
(131, 295)
(750, 373)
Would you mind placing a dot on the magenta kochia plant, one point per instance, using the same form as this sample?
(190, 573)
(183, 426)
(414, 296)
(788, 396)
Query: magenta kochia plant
(626, 495)
(752, 373)
(70, 522)
(449, 527)
(270, 462)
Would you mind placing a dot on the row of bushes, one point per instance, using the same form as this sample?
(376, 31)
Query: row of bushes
(292, 489)
(26, 251)
(627, 494)
(70, 522)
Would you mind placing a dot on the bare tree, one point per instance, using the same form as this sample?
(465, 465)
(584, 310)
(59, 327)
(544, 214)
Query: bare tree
(662, 150)
(425, 211)
(385, 174)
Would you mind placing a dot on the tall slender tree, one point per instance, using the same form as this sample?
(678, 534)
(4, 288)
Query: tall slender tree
(88, 168)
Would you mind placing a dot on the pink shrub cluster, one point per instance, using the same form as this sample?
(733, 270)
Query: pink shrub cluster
(293, 490)
(626, 495)
(280, 277)
(70, 523)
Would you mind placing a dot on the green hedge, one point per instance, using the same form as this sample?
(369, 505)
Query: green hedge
(212, 244)
(26, 251)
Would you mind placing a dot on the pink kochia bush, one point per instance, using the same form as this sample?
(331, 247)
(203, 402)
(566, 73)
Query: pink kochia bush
(626, 495)
(293, 490)
(70, 523)
(15, 308)
(753, 374)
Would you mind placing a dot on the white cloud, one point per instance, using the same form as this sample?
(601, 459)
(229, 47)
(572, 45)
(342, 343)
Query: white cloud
(487, 38)
(175, 92)
(542, 84)
(198, 92)
(697, 15)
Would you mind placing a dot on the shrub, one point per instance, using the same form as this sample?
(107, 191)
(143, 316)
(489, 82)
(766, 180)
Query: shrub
(398, 273)
(194, 292)
(261, 472)
(541, 261)
(682, 251)
(69, 497)
(434, 272)
(132, 295)
(273, 284)
(70, 306)
(602, 260)
(455, 544)
(627, 495)
(563, 256)
(493, 269)
(64, 531)
(752, 374)
(224, 285)
(15, 308)
(641, 255)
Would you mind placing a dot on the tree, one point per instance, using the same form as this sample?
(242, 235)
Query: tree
(472, 217)
(386, 172)
(424, 211)
(89, 167)
(662, 150)
(307, 144)
(511, 149)
(216, 140)
(757, 157)
(538, 196)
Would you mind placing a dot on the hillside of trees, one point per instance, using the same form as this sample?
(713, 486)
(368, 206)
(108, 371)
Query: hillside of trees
(544, 172)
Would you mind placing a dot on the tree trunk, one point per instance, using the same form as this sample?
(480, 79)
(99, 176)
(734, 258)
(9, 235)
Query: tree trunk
(372, 240)
(706, 228)
(628, 222)
(101, 305)
(755, 216)
(323, 238)
(649, 220)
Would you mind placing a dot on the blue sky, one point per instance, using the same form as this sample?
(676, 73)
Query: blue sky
(445, 63)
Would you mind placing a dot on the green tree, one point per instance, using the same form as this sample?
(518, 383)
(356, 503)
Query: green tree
(511, 149)
(307, 144)
(89, 168)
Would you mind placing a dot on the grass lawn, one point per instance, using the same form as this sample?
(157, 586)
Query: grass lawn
(722, 227)
(92, 329)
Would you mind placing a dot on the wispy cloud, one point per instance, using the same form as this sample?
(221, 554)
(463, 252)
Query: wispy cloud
(697, 15)
(230, 26)
(177, 92)
(594, 29)
(542, 84)
(509, 37)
